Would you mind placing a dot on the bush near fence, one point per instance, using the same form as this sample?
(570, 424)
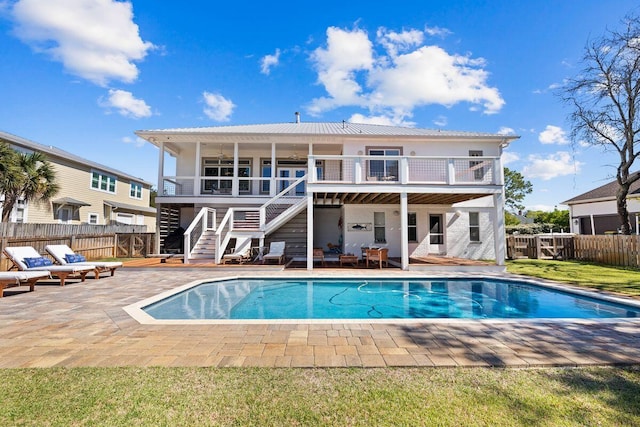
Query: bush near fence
(92, 241)
(616, 250)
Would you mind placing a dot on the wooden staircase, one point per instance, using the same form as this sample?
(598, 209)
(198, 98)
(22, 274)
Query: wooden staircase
(205, 250)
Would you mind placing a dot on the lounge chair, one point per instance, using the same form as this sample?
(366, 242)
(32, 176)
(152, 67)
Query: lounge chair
(19, 278)
(276, 252)
(26, 258)
(64, 255)
(241, 253)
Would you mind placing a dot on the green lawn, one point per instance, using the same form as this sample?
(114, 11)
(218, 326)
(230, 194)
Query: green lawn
(327, 397)
(605, 278)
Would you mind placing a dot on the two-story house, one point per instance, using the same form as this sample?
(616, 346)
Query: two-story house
(90, 192)
(341, 185)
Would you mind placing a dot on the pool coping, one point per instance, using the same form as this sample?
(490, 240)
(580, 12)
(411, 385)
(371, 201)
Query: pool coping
(136, 311)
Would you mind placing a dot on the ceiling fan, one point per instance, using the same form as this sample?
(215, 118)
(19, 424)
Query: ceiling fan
(294, 156)
(221, 155)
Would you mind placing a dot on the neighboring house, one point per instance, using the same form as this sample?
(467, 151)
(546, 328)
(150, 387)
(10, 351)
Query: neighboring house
(596, 211)
(90, 193)
(414, 191)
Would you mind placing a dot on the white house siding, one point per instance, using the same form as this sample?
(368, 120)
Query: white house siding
(457, 237)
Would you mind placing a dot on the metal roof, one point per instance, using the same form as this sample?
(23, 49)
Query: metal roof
(136, 208)
(54, 151)
(327, 128)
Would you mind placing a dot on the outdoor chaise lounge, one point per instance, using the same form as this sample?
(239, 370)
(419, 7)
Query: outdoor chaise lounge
(26, 258)
(64, 255)
(241, 253)
(19, 278)
(276, 252)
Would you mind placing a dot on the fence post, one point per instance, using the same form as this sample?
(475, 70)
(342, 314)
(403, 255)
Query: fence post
(538, 247)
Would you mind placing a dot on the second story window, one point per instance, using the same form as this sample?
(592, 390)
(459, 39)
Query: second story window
(136, 191)
(103, 182)
(383, 170)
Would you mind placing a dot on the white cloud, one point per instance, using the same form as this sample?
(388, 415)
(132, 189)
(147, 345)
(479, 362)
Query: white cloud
(406, 76)
(552, 166)
(269, 61)
(553, 135)
(218, 107)
(94, 39)
(506, 131)
(126, 104)
(380, 120)
(440, 121)
(544, 208)
(138, 142)
(509, 157)
(437, 31)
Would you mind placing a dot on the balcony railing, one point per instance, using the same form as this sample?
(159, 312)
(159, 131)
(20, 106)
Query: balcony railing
(338, 169)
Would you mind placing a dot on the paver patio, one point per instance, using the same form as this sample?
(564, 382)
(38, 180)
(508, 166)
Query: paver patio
(84, 324)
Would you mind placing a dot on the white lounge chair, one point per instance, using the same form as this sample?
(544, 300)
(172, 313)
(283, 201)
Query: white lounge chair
(241, 253)
(18, 254)
(19, 278)
(276, 252)
(64, 255)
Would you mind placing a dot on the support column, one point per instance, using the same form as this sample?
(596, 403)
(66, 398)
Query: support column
(309, 231)
(273, 186)
(404, 231)
(235, 182)
(198, 170)
(161, 192)
(499, 236)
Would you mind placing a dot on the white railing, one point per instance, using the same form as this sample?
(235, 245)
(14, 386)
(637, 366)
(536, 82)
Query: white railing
(342, 169)
(405, 170)
(205, 220)
(279, 203)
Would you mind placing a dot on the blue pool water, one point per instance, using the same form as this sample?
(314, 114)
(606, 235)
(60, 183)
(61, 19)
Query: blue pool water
(380, 299)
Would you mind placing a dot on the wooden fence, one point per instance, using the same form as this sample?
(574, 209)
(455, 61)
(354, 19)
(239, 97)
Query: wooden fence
(618, 250)
(94, 242)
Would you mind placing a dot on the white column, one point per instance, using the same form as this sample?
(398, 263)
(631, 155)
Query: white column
(499, 236)
(197, 175)
(309, 231)
(161, 169)
(593, 225)
(273, 187)
(235, 183)
(404, 231)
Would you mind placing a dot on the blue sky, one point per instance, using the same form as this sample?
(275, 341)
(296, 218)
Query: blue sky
(83, 75)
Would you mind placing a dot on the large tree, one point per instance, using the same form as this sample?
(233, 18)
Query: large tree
(515, 190)
(605, 97)
(24, 176)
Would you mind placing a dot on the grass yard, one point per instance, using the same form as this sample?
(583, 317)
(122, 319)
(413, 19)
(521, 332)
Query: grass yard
(320, 397)
(601, 277)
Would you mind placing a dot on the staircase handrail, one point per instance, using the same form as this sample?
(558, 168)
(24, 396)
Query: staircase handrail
(197, 227)
(280, 195)
(225, 223)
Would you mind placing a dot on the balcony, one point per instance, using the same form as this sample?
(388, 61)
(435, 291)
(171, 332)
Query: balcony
(336, 170)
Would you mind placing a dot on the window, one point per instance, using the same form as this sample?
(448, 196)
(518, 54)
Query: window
(136, 191)
(103, 182)
(378, 228)
(476, 166)
(265, 172)
(436, 236)
(383, 170)
(93, 219)
(219, 174)
(474, 227)
(412, 227)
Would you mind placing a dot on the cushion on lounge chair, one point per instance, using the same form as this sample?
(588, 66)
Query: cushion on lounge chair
(37, 262)
(71, 258)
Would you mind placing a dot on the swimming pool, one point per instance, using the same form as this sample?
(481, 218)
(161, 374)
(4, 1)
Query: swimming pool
(378, 299)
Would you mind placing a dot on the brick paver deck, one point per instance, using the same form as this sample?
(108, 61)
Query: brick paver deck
(84, 324)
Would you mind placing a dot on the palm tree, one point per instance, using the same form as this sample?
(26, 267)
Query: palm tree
(25, 176)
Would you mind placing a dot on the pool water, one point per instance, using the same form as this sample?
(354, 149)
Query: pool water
(380, 299)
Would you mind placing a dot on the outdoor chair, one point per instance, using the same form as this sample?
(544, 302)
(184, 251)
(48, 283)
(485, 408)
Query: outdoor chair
(241, 253)
(26, 258)
(276, 252)
(19, 278)
(318, 255)
(378, 255)
(64, 255)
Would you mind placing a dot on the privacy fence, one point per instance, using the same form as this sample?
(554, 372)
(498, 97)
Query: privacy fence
(618, 250)
(93, 241)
